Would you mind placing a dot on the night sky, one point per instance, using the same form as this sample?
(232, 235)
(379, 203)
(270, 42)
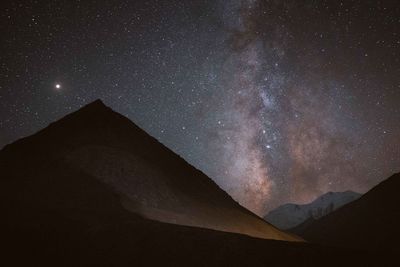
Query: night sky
(277, 101)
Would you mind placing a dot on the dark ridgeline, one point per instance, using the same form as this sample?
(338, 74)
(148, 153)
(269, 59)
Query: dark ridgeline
(150, 179)
(82, 191)
(371, 222)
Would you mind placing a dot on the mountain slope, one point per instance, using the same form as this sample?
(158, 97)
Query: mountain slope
(148, 178)
(290, 215)
(81, 222)
(59, 212)
(371, 222)
(56, 215)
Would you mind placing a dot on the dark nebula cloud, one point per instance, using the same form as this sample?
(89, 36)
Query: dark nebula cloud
(277, 101)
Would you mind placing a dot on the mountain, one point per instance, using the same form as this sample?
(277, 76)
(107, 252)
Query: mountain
(290, 215)
(94, 190)
(371, 222)
(149, 179)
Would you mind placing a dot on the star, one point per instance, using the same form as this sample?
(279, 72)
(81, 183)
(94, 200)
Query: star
(266, 101)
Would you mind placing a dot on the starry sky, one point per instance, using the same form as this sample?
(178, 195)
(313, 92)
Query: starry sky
(277, 101)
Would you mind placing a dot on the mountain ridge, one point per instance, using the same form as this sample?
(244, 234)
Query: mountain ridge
(105, 144)
(57, 211)
(370, 222)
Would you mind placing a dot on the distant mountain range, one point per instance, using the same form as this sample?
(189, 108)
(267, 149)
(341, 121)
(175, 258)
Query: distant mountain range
(290, 215)
(370, 222)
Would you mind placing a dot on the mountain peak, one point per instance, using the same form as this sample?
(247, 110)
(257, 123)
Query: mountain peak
(289, 215)
(97, 102)
(371, 222)
(149, 179)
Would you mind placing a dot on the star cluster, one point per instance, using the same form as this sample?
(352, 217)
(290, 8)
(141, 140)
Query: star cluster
(277, 101)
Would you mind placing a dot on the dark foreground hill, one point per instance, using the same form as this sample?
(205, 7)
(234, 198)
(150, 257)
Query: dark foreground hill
(371, 222)
(149, 179)
(83, 192)
(81, 222)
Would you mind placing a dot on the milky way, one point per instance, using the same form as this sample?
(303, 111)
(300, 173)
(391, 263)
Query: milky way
(277, 101)
(282, 136)
(244, 155)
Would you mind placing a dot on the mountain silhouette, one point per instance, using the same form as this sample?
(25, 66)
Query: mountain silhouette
(94, 189)
(370, 222)
(290, 215)
(149, 179)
